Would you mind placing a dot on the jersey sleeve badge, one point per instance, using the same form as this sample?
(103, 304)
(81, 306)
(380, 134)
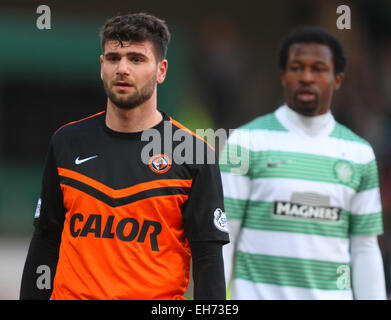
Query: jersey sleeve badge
(220, 220)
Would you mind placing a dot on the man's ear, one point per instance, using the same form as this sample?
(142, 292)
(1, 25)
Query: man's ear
(101, 62)
(161, 71)
(338, 80)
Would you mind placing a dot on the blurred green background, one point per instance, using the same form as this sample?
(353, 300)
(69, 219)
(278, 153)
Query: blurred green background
(222, 73)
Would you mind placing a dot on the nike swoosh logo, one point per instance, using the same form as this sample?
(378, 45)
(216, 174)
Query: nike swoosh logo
(79, 161)
(273, 164)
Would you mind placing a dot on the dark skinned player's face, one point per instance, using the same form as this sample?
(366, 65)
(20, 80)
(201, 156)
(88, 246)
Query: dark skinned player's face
(309, 80)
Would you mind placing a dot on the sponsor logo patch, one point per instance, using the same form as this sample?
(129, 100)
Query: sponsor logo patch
(220, 220)
(127, 229)
(159, 163)
(291, 209)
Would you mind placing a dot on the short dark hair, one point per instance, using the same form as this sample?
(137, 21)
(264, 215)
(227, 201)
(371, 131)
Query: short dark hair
(310, 34)
(137, 27)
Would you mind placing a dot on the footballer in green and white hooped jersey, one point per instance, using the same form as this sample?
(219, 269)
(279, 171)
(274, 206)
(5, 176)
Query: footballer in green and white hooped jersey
(303, 206)
(297, 205)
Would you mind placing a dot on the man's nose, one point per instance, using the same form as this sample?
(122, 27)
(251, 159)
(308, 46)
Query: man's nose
(307, 76)
(123, 67)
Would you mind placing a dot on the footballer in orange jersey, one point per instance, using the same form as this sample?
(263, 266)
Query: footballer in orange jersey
(110, 224)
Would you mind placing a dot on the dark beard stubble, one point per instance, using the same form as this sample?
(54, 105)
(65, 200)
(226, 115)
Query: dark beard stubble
(130, 101)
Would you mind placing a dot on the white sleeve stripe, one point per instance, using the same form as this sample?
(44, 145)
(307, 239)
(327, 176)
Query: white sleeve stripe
(366, 202)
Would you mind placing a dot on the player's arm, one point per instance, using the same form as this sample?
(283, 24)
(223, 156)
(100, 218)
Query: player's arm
(367, 269)
(42, 257)
(208, 274)
(40, 265)
(235, 165)
(366, 223)
(205, 226)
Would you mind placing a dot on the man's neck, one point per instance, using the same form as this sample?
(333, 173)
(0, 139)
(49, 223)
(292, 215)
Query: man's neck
(312, 126)
(138, 119)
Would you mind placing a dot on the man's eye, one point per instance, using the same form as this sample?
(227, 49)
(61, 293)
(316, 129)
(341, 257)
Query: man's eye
(319, 69)
(294, 68)
(136, 59)
(112, 58)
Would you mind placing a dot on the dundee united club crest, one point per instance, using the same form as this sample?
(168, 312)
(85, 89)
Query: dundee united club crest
(159, 163)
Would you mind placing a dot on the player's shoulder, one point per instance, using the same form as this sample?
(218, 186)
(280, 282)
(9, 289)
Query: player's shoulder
(267, 124)
(186, 131)
(358, 146)
(75, 127)
(342, 132)
(268, 121)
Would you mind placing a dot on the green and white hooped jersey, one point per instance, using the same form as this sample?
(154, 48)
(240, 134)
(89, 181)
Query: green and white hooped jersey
(292, 201)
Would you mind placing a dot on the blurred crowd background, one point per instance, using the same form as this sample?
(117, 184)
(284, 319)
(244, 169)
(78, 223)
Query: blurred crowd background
(222, 73)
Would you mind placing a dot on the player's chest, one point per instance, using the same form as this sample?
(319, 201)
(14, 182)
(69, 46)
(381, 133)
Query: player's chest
(119, 163)
(316, 160)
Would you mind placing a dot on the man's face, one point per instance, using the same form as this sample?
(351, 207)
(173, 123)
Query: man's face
(309, 80)
(130, 72)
